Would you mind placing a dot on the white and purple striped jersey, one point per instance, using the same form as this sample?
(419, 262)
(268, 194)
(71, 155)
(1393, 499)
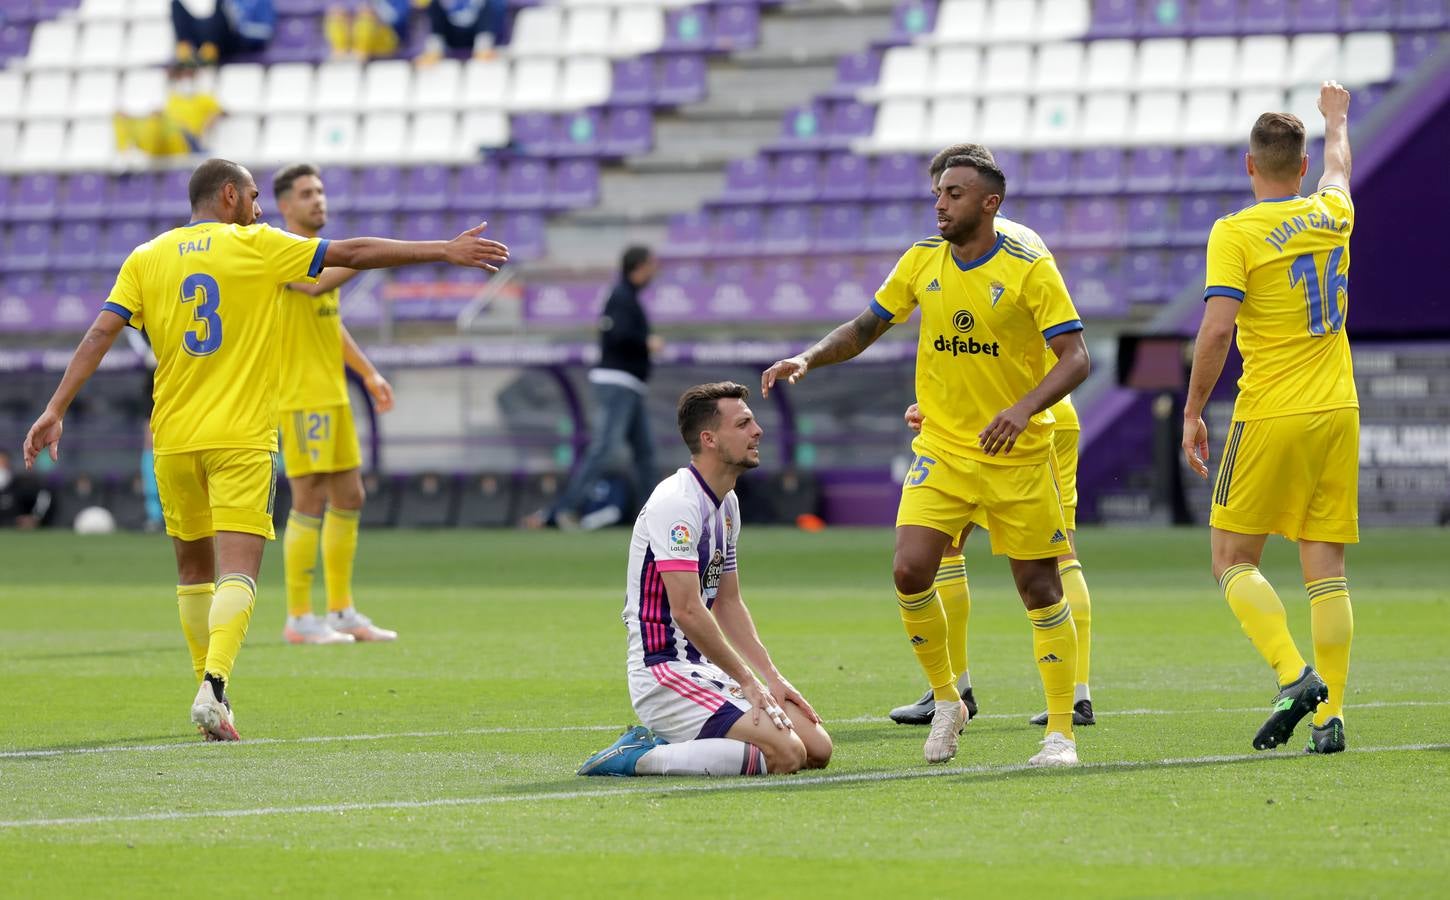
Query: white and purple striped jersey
(683, 527)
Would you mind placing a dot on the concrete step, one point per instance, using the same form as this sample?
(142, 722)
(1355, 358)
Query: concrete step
(592, 247)
(716, 137)
(821, 32)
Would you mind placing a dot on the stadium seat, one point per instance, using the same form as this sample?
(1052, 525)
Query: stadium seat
(585, 82)
(91, 10)
(377, 188)
(1364, 15)
(1063, 19)
(1012, 20)
(899, 124)
(485, 83)
(537, 30)
(382, 136)
(1157, 117)
(1059, 67)
(12, 89)
(432, 136)
(240, 134)
(1005, 120)
(1098, 171)
(1264, 15)
(904, 72)
(53, 43)
(1196, 216)
(1313, 57)
(481, 129)
(793, 177)
(1212, 167)
(1147, 221)
(83, 196)
(894, 176)
(334, 138)
(1207, 116)
(575, 184)
(240, 86)
(28, 247)
(142, 91)
(336, 87)
(47, 94)
(1214, 17)
(587, 31)
(76, 245)
(1006, 69)
(486, 501)
(535, 84)
(955, 70)
(788, 229)
(94, 93)
(386, 85)
(285, 137)
(1249, 105)
(1262, 60)
(1056, 120)
(100, 44)
(1423, 14)
(90, 142)
(1161, 64)
(290, 88)
(438, 86)
(426, 501)
(120, 238)
(1109, 65)
(687, 29)
(1212, 62)
(148, 43)
(1367, 59)
(737, 26)
(1115, 18)
(39, 141)
(679, 78)
(960, 22)
(1047, 172)
(637, 30)
(846, 176)
(633, 80)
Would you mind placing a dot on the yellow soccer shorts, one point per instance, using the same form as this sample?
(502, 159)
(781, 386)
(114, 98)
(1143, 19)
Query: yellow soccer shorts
(1019, 505)
(1064, 452)
(1292, 475)
(206, 491)
(319, 440)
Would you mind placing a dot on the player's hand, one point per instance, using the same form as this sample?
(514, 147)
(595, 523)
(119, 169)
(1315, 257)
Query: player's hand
(914, 418)
(763, 701)
(788, 694)
(1001, 433)
(1333, 100)
(44, 434)
(1195, 445)
(475, 252)
(792, 370)
(381, 391)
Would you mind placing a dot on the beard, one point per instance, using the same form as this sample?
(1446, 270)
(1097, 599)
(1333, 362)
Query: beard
(959, 230)
(743, 461)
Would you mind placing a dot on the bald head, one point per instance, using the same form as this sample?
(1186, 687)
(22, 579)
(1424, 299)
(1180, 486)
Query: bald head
(209, 179)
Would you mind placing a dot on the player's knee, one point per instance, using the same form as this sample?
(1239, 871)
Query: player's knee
(784, 756)
(347, 493)
(911, 576)
(818, 749)
(1040, 589)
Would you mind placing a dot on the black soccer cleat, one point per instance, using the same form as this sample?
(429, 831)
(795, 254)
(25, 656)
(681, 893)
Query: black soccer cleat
(1082, 714)
(921, 712)
(1326, 738)
(1293, 703)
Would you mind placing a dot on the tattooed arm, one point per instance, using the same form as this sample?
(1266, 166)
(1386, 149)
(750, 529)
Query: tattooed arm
(845, 342)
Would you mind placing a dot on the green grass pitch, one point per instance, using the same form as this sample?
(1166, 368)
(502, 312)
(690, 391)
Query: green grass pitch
(443, 764)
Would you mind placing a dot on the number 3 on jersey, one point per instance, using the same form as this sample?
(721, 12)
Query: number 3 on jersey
(206, 335)
(1326, 312)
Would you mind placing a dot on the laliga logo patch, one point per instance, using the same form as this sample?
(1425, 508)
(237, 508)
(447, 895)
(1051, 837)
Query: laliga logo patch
(997, 289)
(680, 537)
(963, 321)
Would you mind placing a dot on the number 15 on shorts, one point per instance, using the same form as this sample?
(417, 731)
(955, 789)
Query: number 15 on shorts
(920, 469)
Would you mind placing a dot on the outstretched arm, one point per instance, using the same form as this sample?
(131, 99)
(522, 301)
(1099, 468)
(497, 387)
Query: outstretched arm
(357, 360)
(739, 628)
(1209, 352)
(1334, 104)
(845, 342)
(330, 280)
(45, 433)
(469, 249)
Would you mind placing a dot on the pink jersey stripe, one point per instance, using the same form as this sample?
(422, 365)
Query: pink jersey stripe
(671, 679)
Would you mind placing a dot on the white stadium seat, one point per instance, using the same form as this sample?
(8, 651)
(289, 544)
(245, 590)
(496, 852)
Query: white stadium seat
(485, 83)
(482, 128)
(238, 136)
(1157, 118)
(1056, 120)
(285, 137)
(956, 70)
(53, 43)
(239, 87)
(289, 89)
(1005, 121)
(12, 88)
(437, 86)
(537, 30)
(951, 117)
(1063, 19)
(1059, 67)
(337, 88)
(101, 44)
(900, 124)
(117, 10)
(334, 138)
(904, 71)
(91, 142)
(535, 84)
(1007, 68)
(386, 84)
(433, 136)
(95, 93)
(1105, 118)
(1262, 60)
(1160, 64)
(586, 30)
(1109, 65)
(40, 142)
(9, 142)
(587, 81)
(149, 42)
(1012, 20)
(1252, 103)
(47, 94)
(1207, 116)
(961, 22)
(637, 30)
(1366, 58)
(143, 91)
(142, 10)
(1304, 103)
(383, 135)
(1313, 58)
(1212, 62)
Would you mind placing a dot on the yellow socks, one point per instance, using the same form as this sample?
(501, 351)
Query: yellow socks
(956, 601)
(1262, 617)
(194, 603)
(926, 625)
(231, 612)
(1332, 622)
(1054, 643)
(1075, 592)
(339, 548)
(299, 560)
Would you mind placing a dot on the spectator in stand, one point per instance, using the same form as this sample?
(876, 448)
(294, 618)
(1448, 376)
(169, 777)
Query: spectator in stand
(24, 501)
(468, 25)
(177, 129)
(364, 29)
(212, 31)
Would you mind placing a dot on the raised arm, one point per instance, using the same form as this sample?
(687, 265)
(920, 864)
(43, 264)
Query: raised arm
(357, 360)
(45, 433)
(469, 249)
(739, 628)
(331, 279)
(845, 342)
(1209, 352)
(1334, 104)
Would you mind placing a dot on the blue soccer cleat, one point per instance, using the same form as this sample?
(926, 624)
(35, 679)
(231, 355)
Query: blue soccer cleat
(620, 757)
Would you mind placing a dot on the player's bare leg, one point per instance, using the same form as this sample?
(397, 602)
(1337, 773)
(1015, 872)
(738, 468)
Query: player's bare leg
(1331, 620)
(920, 712)
(309, 502)
(1054, 644)
(817, 742)
(345, 496)
(918, 556)
(785, 752)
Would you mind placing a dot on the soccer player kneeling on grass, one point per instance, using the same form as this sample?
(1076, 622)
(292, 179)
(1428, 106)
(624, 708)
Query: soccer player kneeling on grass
(692, 643)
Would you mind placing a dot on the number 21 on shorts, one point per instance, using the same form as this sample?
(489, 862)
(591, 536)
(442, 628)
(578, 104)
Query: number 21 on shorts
(920, 469)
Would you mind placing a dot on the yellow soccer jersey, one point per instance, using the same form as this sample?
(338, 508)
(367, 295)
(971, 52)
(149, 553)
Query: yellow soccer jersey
(1064, 414)
(312, 366)
(207, 295)
(983, 326)
(1287, 262)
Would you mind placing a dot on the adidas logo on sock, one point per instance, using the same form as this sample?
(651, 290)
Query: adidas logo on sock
(934, 286)
(1057, 537)
(1049, 658)
(918, 639)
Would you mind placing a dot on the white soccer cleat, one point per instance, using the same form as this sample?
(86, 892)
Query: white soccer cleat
(1056, 751)
(351, 622)
(308, 629)
(212, 717)
(947, 721)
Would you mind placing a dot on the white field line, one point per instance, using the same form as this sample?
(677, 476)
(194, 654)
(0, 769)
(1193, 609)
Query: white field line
(536, 729)
(657, 788)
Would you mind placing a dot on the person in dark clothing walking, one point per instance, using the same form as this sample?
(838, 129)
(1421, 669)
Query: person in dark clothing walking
(619, 385)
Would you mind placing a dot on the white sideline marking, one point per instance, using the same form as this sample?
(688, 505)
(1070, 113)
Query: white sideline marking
(659, 788)
(532, 729)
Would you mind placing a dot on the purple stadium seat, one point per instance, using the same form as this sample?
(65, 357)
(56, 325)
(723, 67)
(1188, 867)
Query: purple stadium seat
(375, 224)
(337, 181)
(737, 227)
(681, 78)
(850, 119)
(689, 233)
(169, 199)
(1150, 169)
(477, 187)
(576, 184)
(1115, 18)
(911, 18)
(426, 188)
(132, 196)
(6, 186)
(1214, 17)
(77, 245)
(688, 29)
(1315, 15)
(1099, 171)
(793, 176)
(1147, 221)
(1095, 222)
(627, 130)
(1267, 17)
(896, 176)
(578, 133)
(1048, 172)
(300, 7)
(634, 80)
(120, 238)
(737, 26)
(377, 188)
(858, 70)
(682, 272)
(14, 41)
(1208, 168)
(788, 229)
(891, 226)
(298, 39)
(1045, 216)
(1164, 18)
(845, 176)
(525, 185)
(840, 228)
(1012, 165)
(425, 226)
(1186, 271)
(1423, 14)
(1146, 276)
(1196, 216)
(534, 133)
(526, 235)
(1097, 283)
(745, 180)
(28, 247)
(801, 125)
(1413, 49)
(1369, 15)
(84, 195)
(33, 197)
